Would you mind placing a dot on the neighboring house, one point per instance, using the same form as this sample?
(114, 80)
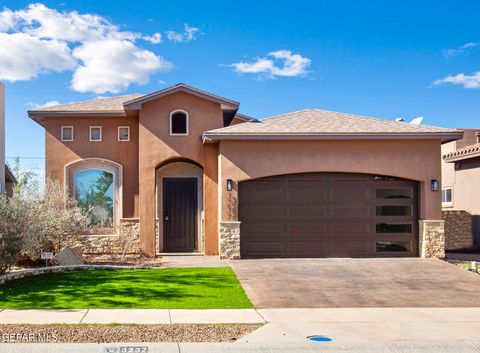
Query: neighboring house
(2, 137)
(193, 175)
(7, 179)
(10, 181)
(461, 190)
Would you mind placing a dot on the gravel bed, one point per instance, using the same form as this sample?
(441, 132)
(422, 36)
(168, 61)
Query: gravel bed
(124, 333)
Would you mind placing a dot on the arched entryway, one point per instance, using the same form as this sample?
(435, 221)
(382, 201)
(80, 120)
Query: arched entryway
(179, 207)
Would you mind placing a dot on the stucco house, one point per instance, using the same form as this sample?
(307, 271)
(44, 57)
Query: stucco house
(461, 191)
(188, 173)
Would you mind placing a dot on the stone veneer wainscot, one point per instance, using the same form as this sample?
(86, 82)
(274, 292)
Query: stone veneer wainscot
(229, 240)
(432, 239)
(128, 236)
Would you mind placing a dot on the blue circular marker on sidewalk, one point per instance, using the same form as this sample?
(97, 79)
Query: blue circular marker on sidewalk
(317, 338)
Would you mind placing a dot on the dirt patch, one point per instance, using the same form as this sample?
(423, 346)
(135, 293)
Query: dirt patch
(124, 333)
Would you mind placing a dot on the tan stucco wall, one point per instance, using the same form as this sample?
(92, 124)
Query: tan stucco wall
(410, 159)
(158, 147)
(60, 153)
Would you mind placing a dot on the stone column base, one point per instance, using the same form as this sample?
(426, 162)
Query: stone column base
(229, 240)
(431, 238)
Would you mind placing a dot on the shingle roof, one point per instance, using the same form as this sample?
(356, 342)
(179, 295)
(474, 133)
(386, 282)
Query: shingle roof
(463, 153)
(323, 122)
(111, 104)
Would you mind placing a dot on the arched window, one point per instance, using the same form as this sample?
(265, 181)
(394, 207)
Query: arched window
(94, 191)
(96, 184)
(179, 122)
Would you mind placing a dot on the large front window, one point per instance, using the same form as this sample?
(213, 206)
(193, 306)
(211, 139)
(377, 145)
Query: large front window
(94, 191)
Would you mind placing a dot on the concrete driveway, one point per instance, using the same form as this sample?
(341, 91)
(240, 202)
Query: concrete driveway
(336, 283)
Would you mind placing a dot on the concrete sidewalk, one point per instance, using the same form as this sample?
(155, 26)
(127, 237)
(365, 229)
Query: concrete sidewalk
(130, 316)
(291, 327)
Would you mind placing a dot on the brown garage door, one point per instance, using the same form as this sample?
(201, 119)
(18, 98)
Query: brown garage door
(328, 215)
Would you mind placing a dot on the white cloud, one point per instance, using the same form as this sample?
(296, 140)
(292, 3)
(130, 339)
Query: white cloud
(156, 38)
(38, 40)
(279, 63)
(112, 65)
(189, 34)
(450, 53)
(23, 57)
(467, 81)
(32, 105)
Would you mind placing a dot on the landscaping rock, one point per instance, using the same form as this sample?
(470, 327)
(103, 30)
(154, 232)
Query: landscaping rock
(69, 256)
(124, 333)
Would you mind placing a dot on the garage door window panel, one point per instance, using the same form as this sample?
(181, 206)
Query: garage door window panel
(393, 193)
(394, 211)
(394, 228)
(393, 246)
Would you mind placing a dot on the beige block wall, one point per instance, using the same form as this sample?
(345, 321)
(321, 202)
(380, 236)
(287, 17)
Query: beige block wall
(458, 230)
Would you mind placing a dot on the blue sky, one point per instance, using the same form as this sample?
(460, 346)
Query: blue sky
(377, 58)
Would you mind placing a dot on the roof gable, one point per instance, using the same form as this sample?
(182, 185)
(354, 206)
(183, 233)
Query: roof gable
(226, 104)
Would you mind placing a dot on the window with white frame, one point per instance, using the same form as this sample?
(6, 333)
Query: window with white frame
(179, 122)
(124, 133)
(97, 186)
(95, 133)
(447, 196)
(66, 133)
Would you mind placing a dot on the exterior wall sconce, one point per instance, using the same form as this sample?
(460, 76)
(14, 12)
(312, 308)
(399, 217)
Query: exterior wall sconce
(434, 184)
(229, 184)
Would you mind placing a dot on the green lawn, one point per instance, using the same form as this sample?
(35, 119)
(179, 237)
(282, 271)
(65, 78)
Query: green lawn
(175, 288)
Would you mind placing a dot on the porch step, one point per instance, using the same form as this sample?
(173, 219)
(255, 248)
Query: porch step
(181, 254)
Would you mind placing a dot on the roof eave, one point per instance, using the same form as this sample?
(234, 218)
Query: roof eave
(9, 175)
(341, 136)
(244, 117)
(461, 157)
(37, 114)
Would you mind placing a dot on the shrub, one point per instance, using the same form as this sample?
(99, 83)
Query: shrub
(34, 220)
(60, 222)
(15, 221)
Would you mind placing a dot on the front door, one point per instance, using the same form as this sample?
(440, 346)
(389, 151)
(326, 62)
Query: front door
(179, 214)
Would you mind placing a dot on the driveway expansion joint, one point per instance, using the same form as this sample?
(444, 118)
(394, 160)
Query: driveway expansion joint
(83, 317)
(259, 313)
